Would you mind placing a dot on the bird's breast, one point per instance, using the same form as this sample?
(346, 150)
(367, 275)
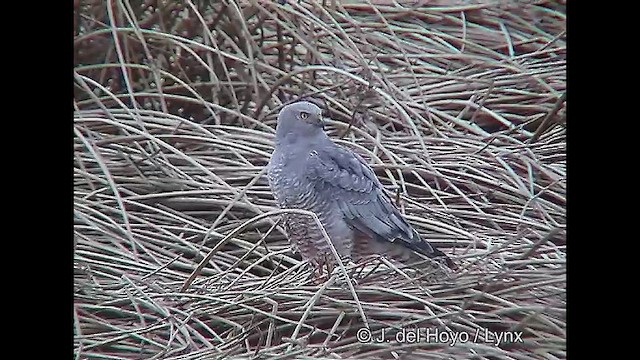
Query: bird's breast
(288, 181)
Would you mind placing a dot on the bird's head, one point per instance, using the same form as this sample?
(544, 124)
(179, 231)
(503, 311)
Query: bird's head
(299, 120)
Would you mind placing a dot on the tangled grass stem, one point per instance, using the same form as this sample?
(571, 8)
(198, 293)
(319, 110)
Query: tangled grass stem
(458, 107)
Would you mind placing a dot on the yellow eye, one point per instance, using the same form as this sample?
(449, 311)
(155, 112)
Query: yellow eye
(304, 115)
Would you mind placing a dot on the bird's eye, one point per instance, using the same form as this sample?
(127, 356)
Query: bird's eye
(304, 115)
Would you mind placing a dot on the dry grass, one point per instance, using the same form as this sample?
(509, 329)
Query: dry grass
(459, 108)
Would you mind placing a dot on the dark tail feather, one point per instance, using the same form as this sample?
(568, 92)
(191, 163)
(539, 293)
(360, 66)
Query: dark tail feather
(437, 254)
(427, 249)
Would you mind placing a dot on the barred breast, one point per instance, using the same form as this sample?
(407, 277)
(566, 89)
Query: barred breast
(297, 192)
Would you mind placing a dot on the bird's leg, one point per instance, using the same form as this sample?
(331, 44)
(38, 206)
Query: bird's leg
(329, 265)
(363, 262)
(322, 262)
(319, 265)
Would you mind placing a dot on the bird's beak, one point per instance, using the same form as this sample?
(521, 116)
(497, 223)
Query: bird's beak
(323, 120)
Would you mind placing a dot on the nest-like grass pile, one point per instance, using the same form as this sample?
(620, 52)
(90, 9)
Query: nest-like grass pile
(459, 108)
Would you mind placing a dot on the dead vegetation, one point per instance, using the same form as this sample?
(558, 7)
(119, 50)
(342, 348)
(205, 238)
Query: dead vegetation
(459, 108)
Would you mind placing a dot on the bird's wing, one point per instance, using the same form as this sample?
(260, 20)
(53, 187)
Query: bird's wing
(346, 178)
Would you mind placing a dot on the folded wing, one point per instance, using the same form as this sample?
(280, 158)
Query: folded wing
(346, 177)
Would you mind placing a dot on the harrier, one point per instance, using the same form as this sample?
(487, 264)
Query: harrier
(309, 171)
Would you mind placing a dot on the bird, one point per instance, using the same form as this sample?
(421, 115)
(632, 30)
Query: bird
(309, 171)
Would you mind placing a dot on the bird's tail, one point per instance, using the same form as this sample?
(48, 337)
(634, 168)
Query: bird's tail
(439, 255)
(425, 248)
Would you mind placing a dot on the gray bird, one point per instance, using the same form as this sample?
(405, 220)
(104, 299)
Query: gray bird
(309, 171)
